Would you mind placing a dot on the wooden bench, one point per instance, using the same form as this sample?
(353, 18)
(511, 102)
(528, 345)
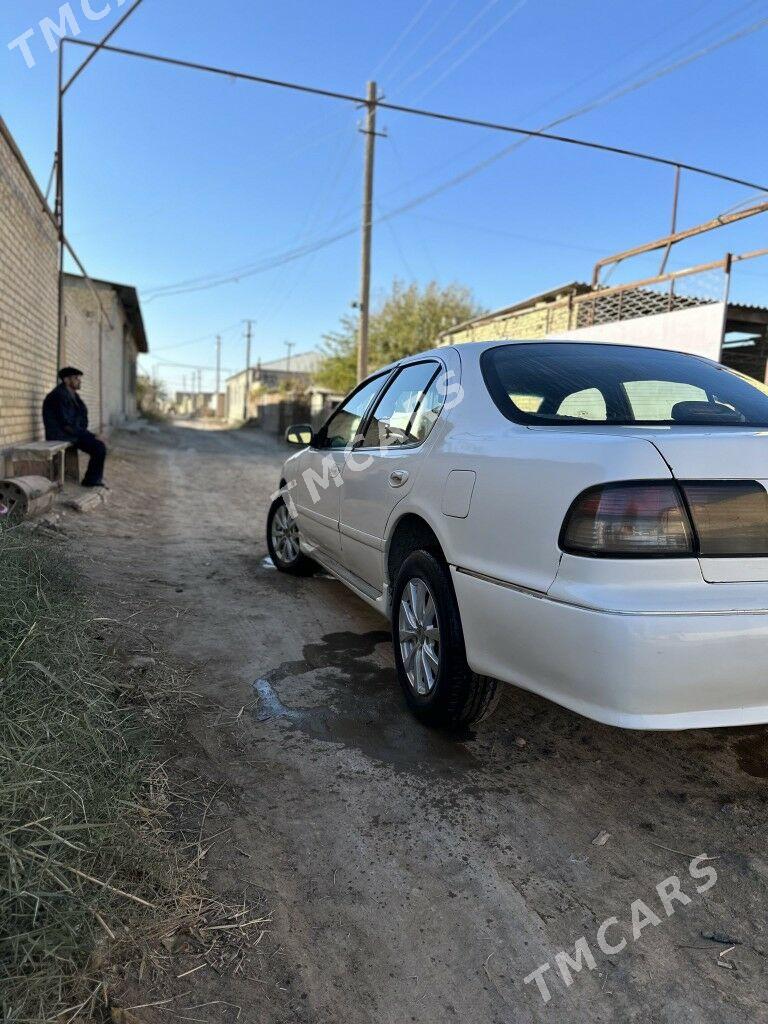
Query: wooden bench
(55, 460)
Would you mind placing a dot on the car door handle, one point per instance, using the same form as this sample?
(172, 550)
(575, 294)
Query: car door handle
(398, 477)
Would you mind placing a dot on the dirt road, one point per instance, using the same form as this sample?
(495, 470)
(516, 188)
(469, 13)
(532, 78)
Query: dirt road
(413, 877)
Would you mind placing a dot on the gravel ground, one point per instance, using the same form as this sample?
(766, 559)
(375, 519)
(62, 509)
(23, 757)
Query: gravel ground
(412, 876)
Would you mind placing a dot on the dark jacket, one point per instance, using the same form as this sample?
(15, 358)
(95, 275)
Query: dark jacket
(64, 415)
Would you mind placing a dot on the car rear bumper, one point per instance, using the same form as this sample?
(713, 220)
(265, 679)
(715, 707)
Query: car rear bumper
(636, 670)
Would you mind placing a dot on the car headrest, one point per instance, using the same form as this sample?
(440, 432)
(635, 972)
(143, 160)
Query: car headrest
(704, 412)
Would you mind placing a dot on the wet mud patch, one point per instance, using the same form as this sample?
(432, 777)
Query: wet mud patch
(265, 564)
(752, 754)
(365, 710)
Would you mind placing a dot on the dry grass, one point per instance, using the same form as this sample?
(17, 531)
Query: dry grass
(89, 876)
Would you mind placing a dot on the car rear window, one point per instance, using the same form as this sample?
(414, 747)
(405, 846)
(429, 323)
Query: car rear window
(557, 382)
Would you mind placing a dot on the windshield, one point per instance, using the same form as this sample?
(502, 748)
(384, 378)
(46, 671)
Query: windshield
(556, 382)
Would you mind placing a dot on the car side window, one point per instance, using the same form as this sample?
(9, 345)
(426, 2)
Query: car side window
(408, 409)
(341, 429)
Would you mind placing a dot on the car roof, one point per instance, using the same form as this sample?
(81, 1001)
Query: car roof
(464, 346)
(476, 348)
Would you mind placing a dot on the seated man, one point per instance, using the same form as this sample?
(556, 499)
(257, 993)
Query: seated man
(65, 417)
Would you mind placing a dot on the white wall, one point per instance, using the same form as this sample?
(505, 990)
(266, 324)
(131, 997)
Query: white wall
(112, 400)
(698, 329)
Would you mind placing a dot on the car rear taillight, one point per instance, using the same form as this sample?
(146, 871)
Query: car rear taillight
(629, 520)
(730, 517)
(709, 518)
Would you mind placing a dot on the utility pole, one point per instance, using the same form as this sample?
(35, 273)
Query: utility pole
(365, 262)
(218, 373)
(290, 345)
(248, 338)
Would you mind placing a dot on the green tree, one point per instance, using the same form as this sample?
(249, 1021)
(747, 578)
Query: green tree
(407, 321)
(150, 397)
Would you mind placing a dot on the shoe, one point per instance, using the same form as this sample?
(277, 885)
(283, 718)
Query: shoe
(99, 484)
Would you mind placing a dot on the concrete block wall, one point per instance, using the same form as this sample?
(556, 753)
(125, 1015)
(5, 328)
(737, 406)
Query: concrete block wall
(536, 322)
(28, 299)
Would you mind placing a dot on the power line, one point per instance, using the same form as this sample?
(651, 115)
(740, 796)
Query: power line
(402, 37)
(400, 250)
(599, 101)
(190, 366)
(209, 281)
(323, 197)
(196, 341)
(474, 47)
(639, 45)
(478, 16)
(668, 69)
(430, 32)
(440, 116)
(529, 239)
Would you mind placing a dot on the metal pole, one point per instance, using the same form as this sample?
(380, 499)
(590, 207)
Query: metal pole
(248, 336)
(59, 208)
(290, 345)
(727, 266)
(218, 367)
(101, 374)
(672, 230)
(365, 261)
(103, 43)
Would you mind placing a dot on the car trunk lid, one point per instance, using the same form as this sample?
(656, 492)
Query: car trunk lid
(711, 454)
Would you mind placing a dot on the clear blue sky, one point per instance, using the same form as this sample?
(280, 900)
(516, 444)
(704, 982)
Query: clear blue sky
(173, 175)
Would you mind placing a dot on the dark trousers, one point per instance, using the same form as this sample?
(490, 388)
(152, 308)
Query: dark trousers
(97, 450)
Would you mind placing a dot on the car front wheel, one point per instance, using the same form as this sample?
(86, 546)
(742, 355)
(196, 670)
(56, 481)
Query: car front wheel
(283, 541)
(439, 686)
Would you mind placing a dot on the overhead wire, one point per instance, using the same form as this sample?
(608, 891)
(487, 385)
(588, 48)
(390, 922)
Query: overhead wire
(435, 114)
(474, 47)
(197, 341)
(401, 38)
(207, 281)
(323, 196)
(476, 17)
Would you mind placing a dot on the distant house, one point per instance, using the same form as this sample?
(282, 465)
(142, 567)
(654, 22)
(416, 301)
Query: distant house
(294, 373)
(736, 335)
(195, 403)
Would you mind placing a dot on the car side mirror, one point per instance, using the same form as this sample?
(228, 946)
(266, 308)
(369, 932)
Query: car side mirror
(300, 433)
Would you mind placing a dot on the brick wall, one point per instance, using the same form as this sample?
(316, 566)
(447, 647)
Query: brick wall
(81, 328)
(536, 322)
(28, 298)
(29, 317)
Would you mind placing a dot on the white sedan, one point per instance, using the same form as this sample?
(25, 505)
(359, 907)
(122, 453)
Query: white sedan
(586, 521)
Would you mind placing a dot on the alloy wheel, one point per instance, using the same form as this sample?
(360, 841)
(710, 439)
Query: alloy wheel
(419, 636)
(285, 535)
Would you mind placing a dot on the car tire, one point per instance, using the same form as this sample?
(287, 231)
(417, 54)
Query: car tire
(283, 542)
(439, 686)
